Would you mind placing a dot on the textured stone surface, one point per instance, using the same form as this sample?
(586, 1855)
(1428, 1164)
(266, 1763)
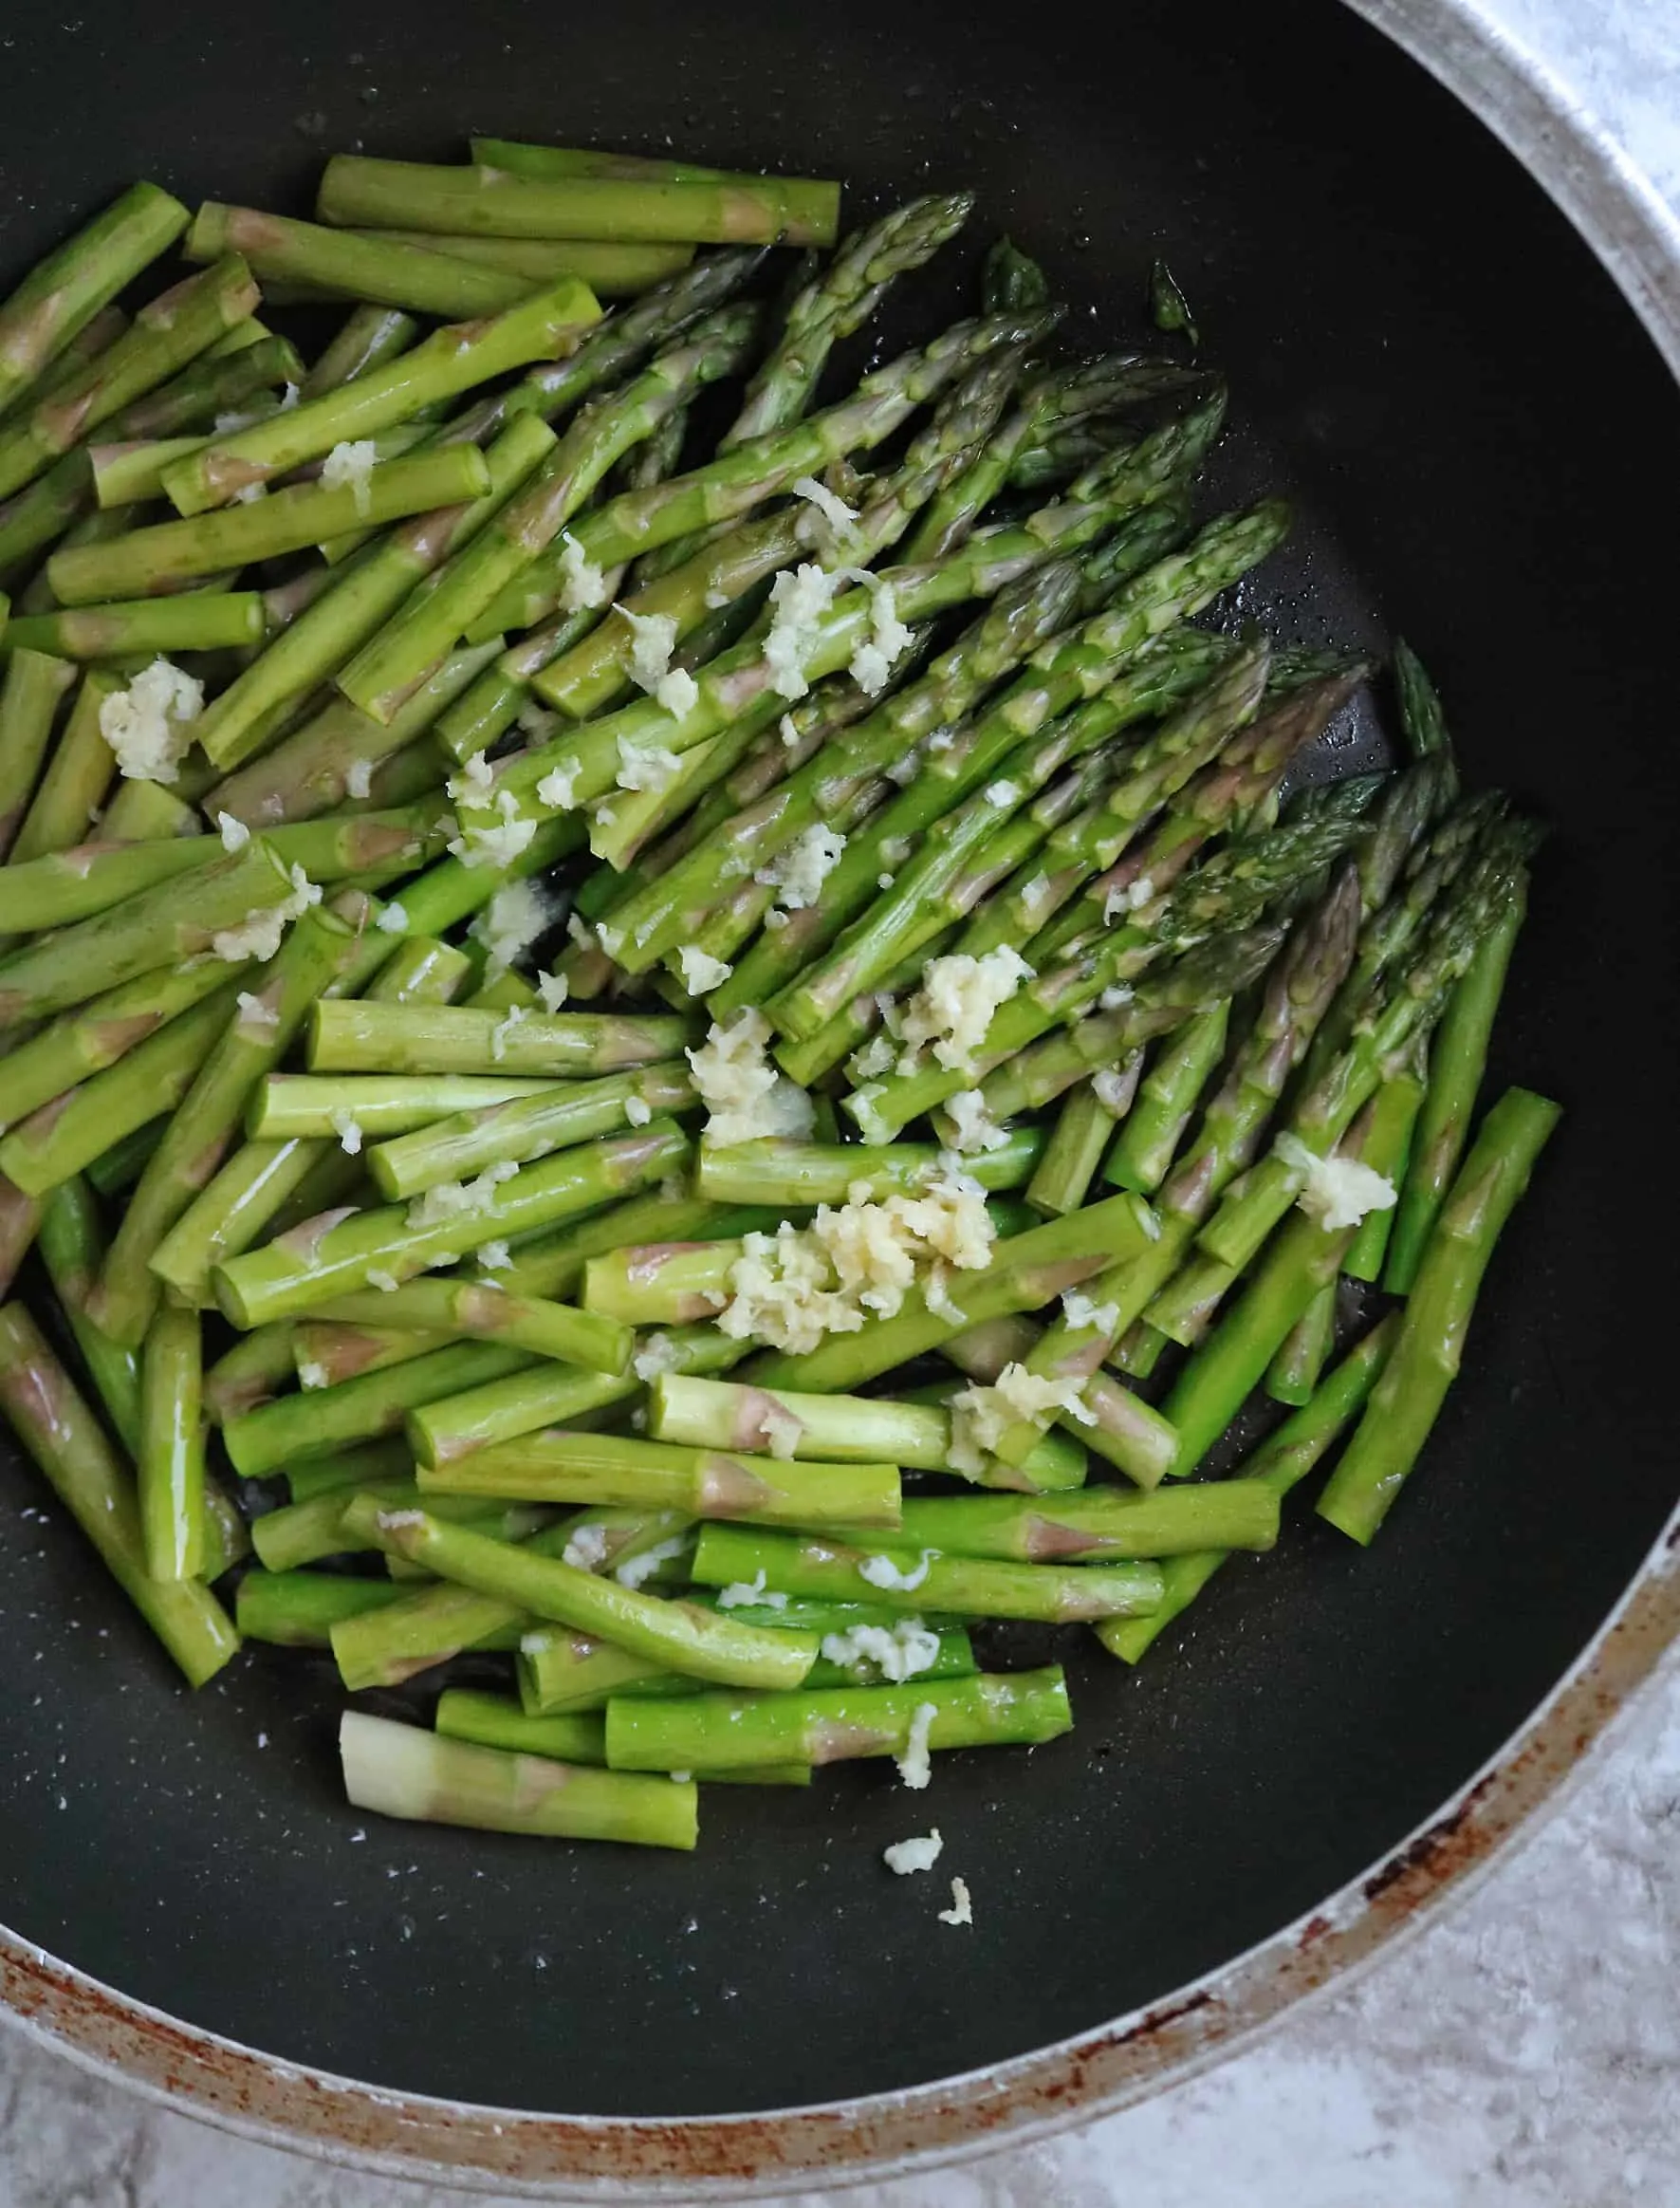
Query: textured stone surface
(1525, 2053)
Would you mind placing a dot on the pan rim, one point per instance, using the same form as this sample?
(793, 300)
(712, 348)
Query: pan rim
(1635, 236)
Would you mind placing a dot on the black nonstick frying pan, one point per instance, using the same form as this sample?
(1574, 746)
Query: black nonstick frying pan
(1482, 447)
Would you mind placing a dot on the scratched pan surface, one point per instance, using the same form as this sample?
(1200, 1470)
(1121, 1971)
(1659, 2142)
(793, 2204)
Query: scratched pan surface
(1477, 437)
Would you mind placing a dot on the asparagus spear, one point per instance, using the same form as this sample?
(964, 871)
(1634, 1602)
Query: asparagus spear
(317, 949)
(1471, 907)
(553, 1266)
(638, 521)
(610, 270)
(1103, 1522)
(78, 775)
(521, 1130)
(486, 1312)
(411, 196)
(35, 684)
(497, 700)
(251, 1371)
(393, 663)
(1293, 1373)
(401, 1770)
(494, 1722)
(1281, 1463)
(145, 812)
(287, 1105)
(618, 345)
(1081, 666)
(349, 1038)
(368, 337)
(1168, 304)
(68, 884)
(55, 1425)
(264, 1437)
(140, 628)
(705, 1643)
(96, 335)
(544, 1393)
(68, 1134)
(62, 295)
(1298, 992)
(70, 1248)
(908, 1578)
(325, 635)
(1457, 1061)
(649, 1734)
(431, 1625)
(1403, 869)
(1151, 1131)
(20, 1216)
(170, 1459)
(380, 270)
(253, 1190)
(778, 1171)
(298, 1609)
(453, 360)
(330, 1257)
(1306, 1257)
(834, 303)
(559, 1467)
(147, 560)
(1369, 1245)
(1406, 1399)
(328, 1351)
(663, 1284)
(1084, 1128)
(842, 300)
(1420, 713)
(718, 1415)
(541, 162)
(173, 330)
(301, 1534)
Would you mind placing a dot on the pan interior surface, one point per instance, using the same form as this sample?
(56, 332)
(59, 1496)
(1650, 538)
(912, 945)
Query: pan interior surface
(1430, 364)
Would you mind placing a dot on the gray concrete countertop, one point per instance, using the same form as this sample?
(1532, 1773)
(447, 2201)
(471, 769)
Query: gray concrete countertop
(1525, 2053)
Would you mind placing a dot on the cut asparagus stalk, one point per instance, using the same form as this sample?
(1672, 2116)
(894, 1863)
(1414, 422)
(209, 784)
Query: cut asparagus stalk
(1406, 1399)
(559, 1467)
(298, 1609)
(918, 1579)
(704, 1644)
(334, 1255)
(400, 1771)
(654, 1733)
(1281, 1462)
(54, 1424)
(738, 210)
(495, 1721)
(707, 1414)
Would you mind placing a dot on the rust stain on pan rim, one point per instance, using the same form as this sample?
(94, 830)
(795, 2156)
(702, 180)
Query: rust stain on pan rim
(1638, 239)
(732, 2157)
